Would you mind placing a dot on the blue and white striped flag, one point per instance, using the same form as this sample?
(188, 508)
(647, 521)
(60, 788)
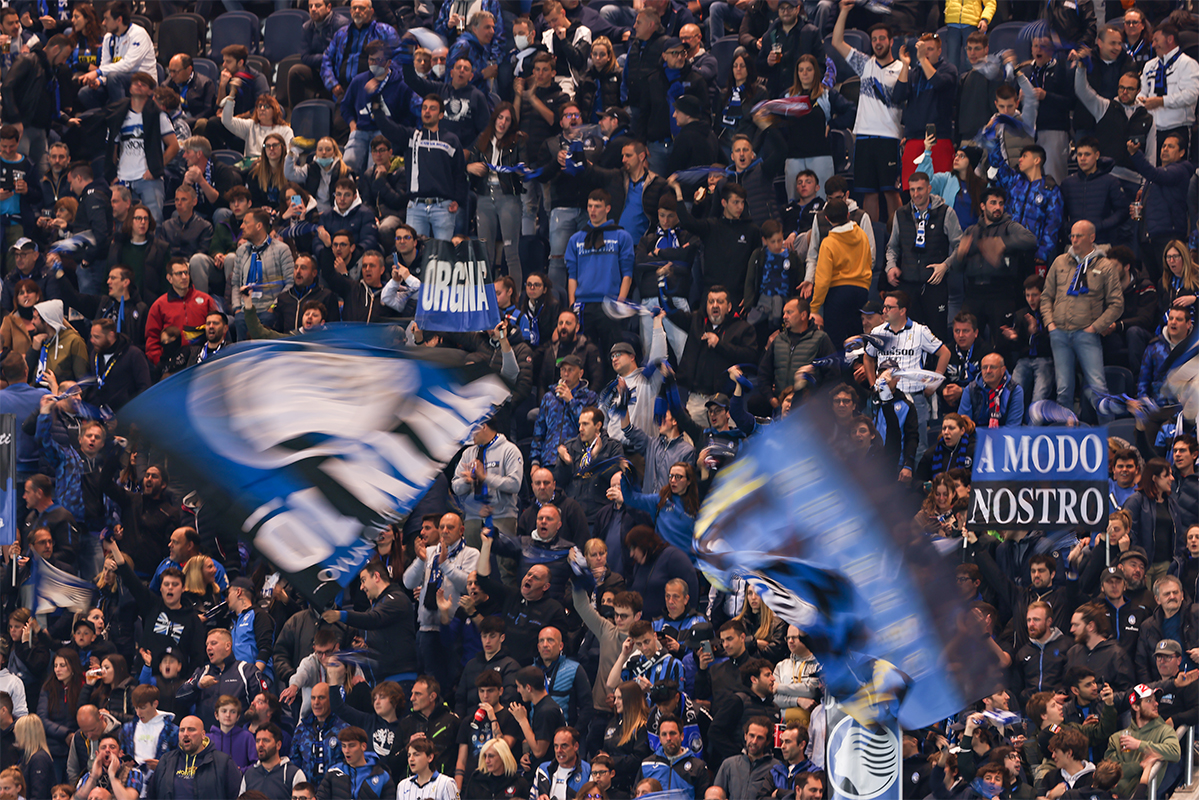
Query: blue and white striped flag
(310, 446)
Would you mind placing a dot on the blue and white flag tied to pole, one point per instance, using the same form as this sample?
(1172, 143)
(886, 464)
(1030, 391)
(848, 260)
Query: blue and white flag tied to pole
(1044, 478)
(833, 552)
(8, 479)
(312, 445)
(457, 292)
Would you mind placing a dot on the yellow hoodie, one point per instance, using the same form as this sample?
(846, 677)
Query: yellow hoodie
(843, 260)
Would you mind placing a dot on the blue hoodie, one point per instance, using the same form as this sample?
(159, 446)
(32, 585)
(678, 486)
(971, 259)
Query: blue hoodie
(396, 97)
(599, 272)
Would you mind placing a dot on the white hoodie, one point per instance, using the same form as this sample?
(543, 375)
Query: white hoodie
(145, 738)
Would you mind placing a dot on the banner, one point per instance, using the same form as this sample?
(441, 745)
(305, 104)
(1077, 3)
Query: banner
(309, 446)
(54, 589)
(8, 479)
(1042, 478)
(457, 289)
(818, 538)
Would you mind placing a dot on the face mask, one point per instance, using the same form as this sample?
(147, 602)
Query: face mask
(439, 70)
(521, 42)
(324, 163)
(378, 70)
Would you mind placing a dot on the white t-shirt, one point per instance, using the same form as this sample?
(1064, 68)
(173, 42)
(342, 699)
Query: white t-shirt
(131, 163)
(877, 116)
(558, 783)
(907, 348)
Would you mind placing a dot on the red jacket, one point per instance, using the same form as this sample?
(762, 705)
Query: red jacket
(186, 313)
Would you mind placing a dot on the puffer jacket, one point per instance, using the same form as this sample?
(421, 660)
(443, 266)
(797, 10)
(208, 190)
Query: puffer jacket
(968, 12)
(558, 422)
(1099, 199)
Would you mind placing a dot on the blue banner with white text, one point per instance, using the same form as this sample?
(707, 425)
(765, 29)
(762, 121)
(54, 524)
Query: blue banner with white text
(1043, 478)
(457, 290)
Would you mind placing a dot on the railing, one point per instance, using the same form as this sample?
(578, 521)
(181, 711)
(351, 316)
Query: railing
(1187, 740)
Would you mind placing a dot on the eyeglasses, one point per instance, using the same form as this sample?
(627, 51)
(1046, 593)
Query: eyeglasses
(571, 115)
(677, 477)
(601, 771)
(619, 615)
(890, 308)
(404, 237)
(534, 284)
(843, 401)
(272, 146)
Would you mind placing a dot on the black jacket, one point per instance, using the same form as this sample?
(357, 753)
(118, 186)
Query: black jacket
(289, 302)
(486, 786)
(728, 245)
(27, 97)
(803, 39)
(1099, 199)
(390, 631)
(95, 215)
(702, 368)
(198, 96)
(654, 122)
(121, 377)
(131, 319)
(1153, 632)
(216, 775)
(339, 786)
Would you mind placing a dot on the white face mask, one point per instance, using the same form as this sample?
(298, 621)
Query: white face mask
(521, 42)
(378, 70)
(439, 70)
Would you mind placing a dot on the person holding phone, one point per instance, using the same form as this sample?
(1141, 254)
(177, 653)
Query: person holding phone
(927, 89)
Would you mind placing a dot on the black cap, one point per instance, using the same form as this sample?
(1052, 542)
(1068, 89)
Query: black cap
(571, 360)
(792, 3)
(616, 112)
(242, 583)
(671, 43)
(1111, 573)
(690, 105)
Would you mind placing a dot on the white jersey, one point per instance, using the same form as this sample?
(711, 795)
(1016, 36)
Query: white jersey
(907, 348)
(440, 787)
(127, 53)
(877, 114)
(131, 161)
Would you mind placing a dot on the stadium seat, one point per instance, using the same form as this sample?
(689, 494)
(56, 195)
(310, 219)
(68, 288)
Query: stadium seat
(281, 72)
(1120, 380)
(233, 27)
(844, 72)
(850, 88)
(1007, 36)
(282, 33)
(207, 68)
(857, 39)
(723, 49)
(841, 147)
(230, 157)
(147, 25)
(313, 118)
(263, 65)
(180, 33)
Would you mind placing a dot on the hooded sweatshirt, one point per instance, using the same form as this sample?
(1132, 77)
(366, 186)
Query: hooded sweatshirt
(844, 260)
(358, 219)
(64, 351)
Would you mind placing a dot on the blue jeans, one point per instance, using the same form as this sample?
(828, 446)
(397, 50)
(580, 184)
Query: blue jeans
(431, 219)
(722, 16)
(115, 89)
(564, 222)
(622, 16)
(152, 194)
(660, 153)
(1035, 376)
(358, 150)
(90, 558)
(954, 44)
(1068, 347)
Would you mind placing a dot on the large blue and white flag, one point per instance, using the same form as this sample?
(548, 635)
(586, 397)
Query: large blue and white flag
(832, 551)
(54, 589)
(457, 289)
(312, 445)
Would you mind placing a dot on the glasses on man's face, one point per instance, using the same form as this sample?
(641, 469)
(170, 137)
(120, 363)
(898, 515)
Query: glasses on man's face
(890, 308)
(404, 237)
(380, 151)
(179, 274)
(619, 615)
(842, 401)
(571, 115)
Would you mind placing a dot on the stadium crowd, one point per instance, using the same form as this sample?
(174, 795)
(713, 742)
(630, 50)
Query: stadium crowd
(997, 192)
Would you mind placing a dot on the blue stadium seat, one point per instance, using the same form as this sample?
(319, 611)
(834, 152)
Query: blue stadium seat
(230, 157)
(1007, 36)
(313, 118)
(233, 27)
(282, 33)
(207, 68)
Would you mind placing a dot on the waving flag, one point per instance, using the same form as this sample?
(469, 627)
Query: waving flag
(54, 589)
(819, 541)
(457, 292)
(312, 445)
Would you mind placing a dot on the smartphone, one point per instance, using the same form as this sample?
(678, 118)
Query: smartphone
(297, 200)
(706, 648)
(931, 130)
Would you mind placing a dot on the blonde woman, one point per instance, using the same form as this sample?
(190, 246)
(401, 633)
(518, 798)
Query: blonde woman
(321, 174)
(496, 775)
(254, 126)
(769, 631)
(626, 740)
(201, 590)
(12, 784)
(37, 767)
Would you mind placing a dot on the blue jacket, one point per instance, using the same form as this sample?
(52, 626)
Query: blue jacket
(254, 639)
(1141, 510)
(1037, 205)
(168, 737)
(344, 59)
(568, 685)
(474, 51)
(358, 219)
(392, 92)
(598, 273)
(543, 784)
(673, 523)
(1153, 374)
(685, 773)
(1099, 199)
(557, 422)
(69, 466)
(315, 747)
(496, 49)
(1166, 196)
(974, 404)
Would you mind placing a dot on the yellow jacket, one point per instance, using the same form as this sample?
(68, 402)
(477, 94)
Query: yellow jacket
(843, 260)
(969, 12)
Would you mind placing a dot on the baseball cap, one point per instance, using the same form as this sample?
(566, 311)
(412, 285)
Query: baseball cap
(721, 400)
(1135, 552)
(617, 113)
(571, 360)
(1168, 646)
(1141, 692)
(1112, 573)
(671, 43)
(792, 3)
(872, 307)
(25, 244)
(621, 347)
(242, 583)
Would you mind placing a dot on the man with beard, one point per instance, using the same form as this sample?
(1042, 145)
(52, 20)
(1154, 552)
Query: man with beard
(216, 337)
(1015, 599)
(1147, 734)
(272, 774)
(196, 769)
(1179, 698)
(717, 340)
(753, 766)
(290, 302)
(567, 340)
(122, 304)
(675, 768)
(1125, 616)
(1041, 661)
(560, 410)
(1094, 650)
(121, 370)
